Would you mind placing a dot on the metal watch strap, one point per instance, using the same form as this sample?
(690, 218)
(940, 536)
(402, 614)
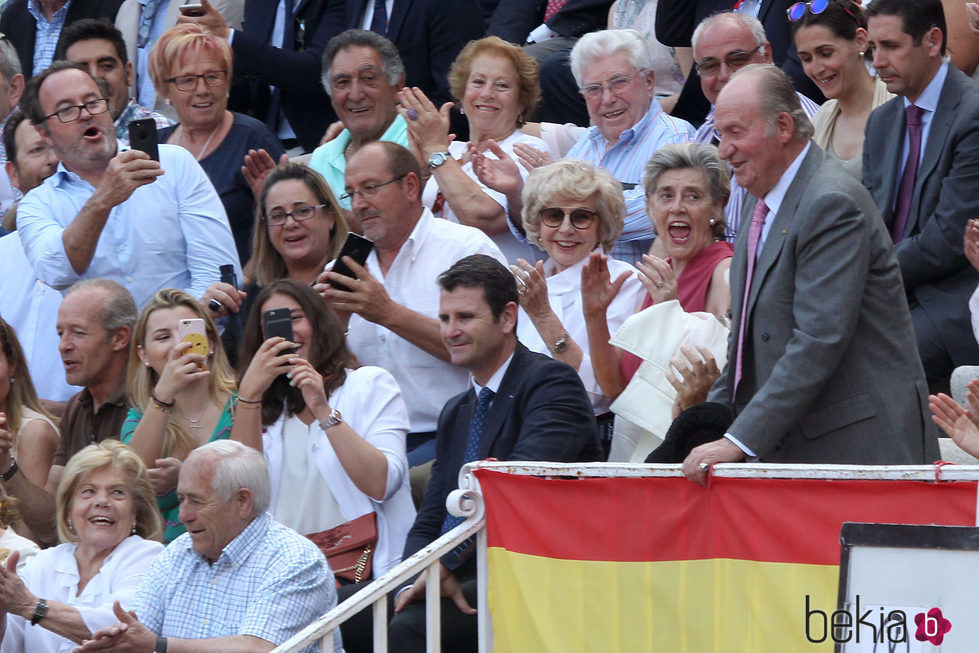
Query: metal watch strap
(334, 419)
(40, 611)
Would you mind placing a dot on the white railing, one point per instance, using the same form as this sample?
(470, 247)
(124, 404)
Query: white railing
(468, 502)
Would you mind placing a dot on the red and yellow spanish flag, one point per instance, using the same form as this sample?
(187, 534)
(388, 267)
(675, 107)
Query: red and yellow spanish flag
(666, 566)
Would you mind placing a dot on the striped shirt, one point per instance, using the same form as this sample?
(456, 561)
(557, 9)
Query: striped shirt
(48, 31)
(732, 212)
(269, 582)
(626, 160)
(136, 111)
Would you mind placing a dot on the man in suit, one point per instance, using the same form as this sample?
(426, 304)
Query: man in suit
(33, 26)
(928, 219)
(677, 19)
(821, 363)
(277, 63)
(522, 406)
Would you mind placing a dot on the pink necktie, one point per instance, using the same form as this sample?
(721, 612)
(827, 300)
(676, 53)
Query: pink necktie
(754, 235)
(906, 190)
(553, 6)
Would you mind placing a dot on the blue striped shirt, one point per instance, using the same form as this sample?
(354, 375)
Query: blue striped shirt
(269, 582)
(48, 32)
(732, 212)
(626, 160)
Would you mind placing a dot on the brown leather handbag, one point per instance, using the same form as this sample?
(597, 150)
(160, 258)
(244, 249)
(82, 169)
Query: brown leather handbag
(349, 547)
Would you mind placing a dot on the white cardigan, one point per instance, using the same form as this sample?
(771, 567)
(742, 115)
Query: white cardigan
(371, 404)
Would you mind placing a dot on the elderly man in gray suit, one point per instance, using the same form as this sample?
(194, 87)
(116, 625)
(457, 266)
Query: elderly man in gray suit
(822, 365)
(926, 200)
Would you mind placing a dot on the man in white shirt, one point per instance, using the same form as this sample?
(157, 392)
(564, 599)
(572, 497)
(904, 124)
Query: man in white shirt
(116, 214)
(393, 304)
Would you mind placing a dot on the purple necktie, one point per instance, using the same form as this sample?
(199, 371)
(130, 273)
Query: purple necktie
(906, 190)
(754, 236)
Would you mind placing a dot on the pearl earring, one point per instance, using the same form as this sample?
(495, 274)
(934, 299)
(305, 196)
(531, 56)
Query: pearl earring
(712, 221)
(71, 527)
(134, 527)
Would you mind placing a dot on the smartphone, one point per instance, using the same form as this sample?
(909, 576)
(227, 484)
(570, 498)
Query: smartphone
(192, 9)
(357, 248)
(228, 275)
(278, 322)
(192, 330)
(142, 136)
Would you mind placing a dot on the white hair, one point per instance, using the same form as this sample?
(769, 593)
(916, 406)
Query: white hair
(237, 466)
(753, 24)
(595, 45)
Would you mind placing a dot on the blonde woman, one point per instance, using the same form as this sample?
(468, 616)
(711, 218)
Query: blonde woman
(175, 406)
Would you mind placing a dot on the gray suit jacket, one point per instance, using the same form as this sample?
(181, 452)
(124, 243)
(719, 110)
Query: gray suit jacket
(830, 366)
(933, 265)
(127, 22)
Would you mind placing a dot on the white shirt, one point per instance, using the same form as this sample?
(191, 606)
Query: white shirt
(31, 308)
(564, 295)
(53, 574)
(511, 247)
(371, 404)
(172, 233)
(426, 382)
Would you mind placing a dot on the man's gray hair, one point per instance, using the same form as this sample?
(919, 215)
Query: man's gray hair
(9, 62)
(119, 309)
(776, 95)
(753, 24)
(391, 64)
(596, 45)
(237, 466)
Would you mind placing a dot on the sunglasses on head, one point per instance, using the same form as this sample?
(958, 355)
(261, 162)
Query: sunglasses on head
(815, 7)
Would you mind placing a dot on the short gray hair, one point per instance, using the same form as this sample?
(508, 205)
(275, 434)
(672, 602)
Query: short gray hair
(236, 466)
(693, 156)
(777, 95)
(753, 24)
(391, 64)
(119, 309)
(577, 180)
(595, 45)
(9, 62)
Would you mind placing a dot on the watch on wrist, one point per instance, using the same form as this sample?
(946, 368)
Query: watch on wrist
(40, 611)
(334, 419)
(9, 474)
(561, 344)
(438, 158)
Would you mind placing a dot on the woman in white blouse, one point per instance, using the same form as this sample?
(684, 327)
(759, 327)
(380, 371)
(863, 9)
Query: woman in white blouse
(107, 517)
(332, 432)
(573, 211)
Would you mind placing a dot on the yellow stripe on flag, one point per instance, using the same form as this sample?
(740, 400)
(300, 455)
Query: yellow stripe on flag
(549, 605)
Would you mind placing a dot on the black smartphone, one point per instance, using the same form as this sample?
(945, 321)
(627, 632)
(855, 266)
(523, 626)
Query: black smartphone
(228, 275)
(278, 322)
(142, 137)
(357, 248)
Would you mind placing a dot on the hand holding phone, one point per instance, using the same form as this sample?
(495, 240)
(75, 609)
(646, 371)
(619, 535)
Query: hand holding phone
(193, 331)
(278, 322)
(356, 247)
(142, 137)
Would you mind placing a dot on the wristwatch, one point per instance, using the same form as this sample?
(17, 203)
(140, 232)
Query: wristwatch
(9, 474)
(437, 159)
(40, 611)
(334, 419)
(561, 344)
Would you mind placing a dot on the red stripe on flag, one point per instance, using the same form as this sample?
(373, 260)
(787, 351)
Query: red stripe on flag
(648, 519)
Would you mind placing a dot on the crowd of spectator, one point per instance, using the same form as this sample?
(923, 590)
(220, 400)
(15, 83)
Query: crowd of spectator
(673, 231)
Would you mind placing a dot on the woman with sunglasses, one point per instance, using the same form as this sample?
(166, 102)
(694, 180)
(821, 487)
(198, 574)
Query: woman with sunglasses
(573, 211)
(831, 38)
(191, 68)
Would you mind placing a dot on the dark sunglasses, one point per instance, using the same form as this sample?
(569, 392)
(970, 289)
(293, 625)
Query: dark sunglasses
(554, 217)
(815, 7)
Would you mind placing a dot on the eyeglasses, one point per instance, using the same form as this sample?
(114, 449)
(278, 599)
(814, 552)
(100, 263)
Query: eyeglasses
(554, 217)
(733, 60)
(616, 86)
(189, 82)
(73, 113)
(816, 7)
(368, 191)
(299, 214)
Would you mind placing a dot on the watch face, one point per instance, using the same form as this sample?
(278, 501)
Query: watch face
(437, 159)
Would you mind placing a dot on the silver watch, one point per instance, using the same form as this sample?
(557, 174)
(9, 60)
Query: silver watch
(334, 419)
(437, 159)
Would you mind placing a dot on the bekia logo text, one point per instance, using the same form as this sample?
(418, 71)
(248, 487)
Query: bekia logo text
(881, 626)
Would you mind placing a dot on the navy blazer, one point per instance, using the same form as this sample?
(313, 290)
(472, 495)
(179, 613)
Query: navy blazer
(513, 20)
(20, 27)
(541, 412)
(295, 71)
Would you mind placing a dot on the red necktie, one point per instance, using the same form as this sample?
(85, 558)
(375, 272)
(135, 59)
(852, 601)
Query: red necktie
(553, 6)
(754, 236)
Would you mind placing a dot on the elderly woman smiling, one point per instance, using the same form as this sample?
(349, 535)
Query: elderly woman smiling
(573, 211)
(496, 83)
(105, 510)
